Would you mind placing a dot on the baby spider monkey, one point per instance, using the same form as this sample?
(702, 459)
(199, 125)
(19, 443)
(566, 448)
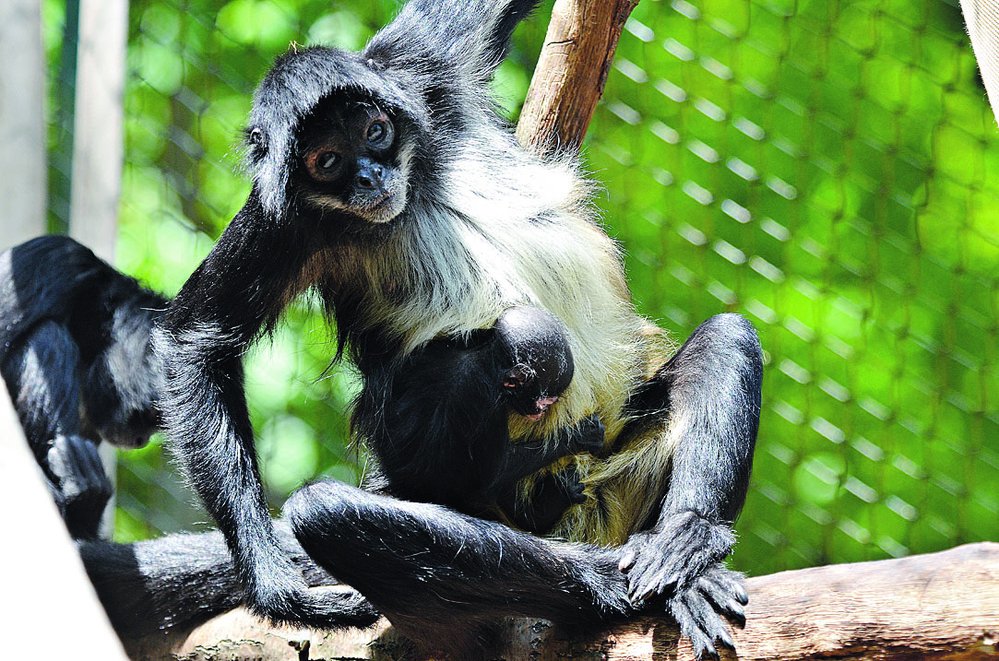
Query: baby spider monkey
(520, 366)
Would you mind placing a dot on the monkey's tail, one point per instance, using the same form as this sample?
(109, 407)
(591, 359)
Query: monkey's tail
(174, 581)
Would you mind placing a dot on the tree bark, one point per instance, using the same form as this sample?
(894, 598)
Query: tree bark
(936, 606)
(571, 72)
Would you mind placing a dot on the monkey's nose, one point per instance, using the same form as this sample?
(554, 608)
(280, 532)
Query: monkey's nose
(370, 178)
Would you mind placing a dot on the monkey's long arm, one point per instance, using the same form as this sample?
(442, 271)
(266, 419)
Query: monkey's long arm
(237, 293)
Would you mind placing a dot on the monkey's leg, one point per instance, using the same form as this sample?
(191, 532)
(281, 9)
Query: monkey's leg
(425, 565)
(710, 391)
(43, 377)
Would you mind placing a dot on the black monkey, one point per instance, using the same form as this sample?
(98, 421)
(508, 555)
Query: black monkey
(422, 426)
(75, 353)
(424, 219)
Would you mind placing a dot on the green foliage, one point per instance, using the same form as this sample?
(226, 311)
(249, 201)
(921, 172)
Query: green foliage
(829, 169)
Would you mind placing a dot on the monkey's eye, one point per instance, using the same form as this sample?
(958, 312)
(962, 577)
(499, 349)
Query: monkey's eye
(323, 164)
(380, 133)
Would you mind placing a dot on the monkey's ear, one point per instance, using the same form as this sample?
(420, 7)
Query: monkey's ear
(256, 144)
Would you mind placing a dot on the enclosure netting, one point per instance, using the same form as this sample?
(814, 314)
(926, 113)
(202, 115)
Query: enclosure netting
(829, 169)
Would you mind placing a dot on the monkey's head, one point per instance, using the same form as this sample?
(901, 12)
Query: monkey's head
(333, 131)
(535, 359)
(352, 157)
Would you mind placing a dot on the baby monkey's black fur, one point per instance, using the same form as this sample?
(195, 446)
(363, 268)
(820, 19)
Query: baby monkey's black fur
(521, 365)
(75, 354)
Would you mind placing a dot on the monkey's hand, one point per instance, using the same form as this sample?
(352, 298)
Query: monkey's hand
(671, 560)
(325, 608)
(588, 437)
(571, 485)
(79, 484)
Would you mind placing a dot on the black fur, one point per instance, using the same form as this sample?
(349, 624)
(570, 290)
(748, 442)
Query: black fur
(266, 255)
(443, 411)
(423, 564)
(181, 580)
(76, 357)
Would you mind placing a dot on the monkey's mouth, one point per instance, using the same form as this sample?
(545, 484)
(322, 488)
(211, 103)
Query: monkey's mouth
(381, 207)
(541, 406)
(377, 201)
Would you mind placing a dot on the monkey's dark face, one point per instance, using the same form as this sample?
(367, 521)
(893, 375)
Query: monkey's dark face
(352, 157)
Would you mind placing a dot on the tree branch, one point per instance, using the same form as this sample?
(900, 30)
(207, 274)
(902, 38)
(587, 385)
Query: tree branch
(936, 606)
(571, 72)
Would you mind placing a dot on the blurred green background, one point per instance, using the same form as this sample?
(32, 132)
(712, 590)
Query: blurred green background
(829, 169)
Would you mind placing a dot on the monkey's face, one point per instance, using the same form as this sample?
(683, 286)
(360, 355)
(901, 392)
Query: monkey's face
(529, 392)
(352, 158)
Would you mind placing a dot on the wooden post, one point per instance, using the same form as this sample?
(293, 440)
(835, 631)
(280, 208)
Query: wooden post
(936, 606)
(22, 122)
(98, 130)
(98, 147)
(571, 72)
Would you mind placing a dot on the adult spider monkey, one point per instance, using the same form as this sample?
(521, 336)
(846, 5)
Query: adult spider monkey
(384, 180)
(75, 354)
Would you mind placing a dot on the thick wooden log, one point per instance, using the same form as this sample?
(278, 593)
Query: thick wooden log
(936, 606)
(571, 72)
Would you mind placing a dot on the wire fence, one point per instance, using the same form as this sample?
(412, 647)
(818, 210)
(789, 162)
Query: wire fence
(829, 169)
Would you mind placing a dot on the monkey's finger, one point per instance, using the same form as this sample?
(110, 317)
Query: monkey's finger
(651, 586)
(728, 582)
(703, 646)
(724, 603)
(627, 561)
(707, 619)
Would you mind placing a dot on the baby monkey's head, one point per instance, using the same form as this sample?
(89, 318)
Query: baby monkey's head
(536, 360)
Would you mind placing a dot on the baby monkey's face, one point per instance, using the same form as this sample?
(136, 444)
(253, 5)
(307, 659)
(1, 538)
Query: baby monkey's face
(353, 158)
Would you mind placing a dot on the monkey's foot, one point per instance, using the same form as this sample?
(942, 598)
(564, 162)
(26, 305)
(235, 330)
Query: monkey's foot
(697, 610)
(673, 554)
(680, 561)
